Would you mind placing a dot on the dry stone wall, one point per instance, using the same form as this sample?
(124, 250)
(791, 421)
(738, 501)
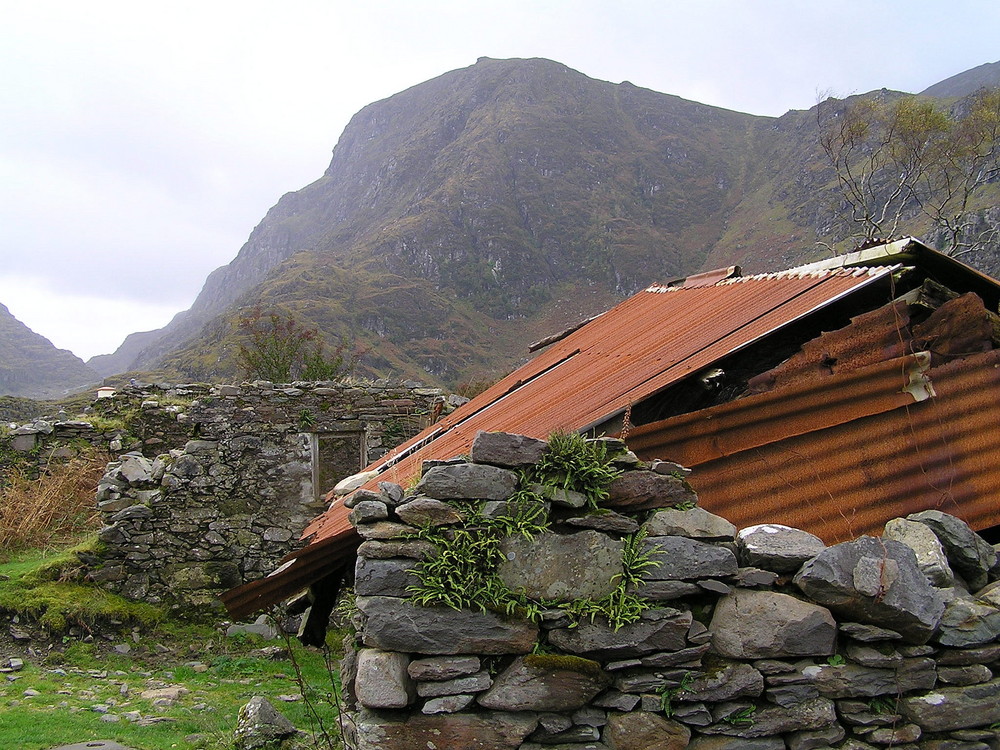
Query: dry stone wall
(233, 494)
(758, 639)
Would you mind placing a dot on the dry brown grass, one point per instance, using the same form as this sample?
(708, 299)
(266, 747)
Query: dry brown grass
(52, 510)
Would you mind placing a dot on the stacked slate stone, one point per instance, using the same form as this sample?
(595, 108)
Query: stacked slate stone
(764, 639)
(232, 497)
(37, 444)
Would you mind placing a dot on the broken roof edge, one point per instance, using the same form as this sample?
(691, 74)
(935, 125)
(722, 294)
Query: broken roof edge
(911, 251)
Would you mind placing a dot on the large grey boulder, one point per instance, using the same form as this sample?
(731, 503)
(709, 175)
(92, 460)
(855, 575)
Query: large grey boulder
(657, 630)
(394, 624)
(562, 567)
(678, 558)
(382, 680)
(136, 468)
(260, 726)
(775, 547)
(642, 730)
(874, 581)
(545, 683)
(931, 558)
(694, 523)
(753, 624)
(967, 621)
(507, 449)
(949, 708)
(969, 554)
(468, 481)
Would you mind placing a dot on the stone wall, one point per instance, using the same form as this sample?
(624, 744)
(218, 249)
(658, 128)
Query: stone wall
(32, 446)
(240, 481)
(143, 418)
(762, 639)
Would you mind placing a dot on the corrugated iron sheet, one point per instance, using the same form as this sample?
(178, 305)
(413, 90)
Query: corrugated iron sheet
(834, 449)
(650, 341)
(842, 456)
(298, 571)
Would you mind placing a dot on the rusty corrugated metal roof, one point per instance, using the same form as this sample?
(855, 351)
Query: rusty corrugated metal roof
(655, 338)
(812, 453)
(652, 340)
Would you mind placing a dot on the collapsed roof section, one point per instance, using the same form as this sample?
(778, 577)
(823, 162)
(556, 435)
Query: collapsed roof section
(672, 358)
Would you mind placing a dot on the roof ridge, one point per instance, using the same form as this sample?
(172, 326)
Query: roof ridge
(791, 273)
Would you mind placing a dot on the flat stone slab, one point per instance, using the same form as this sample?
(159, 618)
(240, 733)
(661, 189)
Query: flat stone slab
(492, 730)
(396, 625)
(468, 481)
(678, 558)
(95, 745)
(549, 566)
(545, 683)
(776, 547)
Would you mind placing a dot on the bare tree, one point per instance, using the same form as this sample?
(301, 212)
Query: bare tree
(897, 157)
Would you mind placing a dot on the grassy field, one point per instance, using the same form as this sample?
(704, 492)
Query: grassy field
(96, 666)
(152, 687)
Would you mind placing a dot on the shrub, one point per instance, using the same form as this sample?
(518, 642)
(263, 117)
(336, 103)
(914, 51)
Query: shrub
(56, 508)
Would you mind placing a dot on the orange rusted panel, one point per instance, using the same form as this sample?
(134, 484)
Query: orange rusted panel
(857, 462)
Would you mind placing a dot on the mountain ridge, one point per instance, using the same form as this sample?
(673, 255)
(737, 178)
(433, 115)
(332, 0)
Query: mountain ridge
(32, 367)
(469, 214)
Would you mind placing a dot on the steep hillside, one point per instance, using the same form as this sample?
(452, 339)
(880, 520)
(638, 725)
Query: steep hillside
(967, 82)
(30, 366)
(455, 211)
(469, 215)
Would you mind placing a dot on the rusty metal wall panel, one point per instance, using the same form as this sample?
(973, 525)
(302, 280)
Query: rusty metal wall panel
(755, 421)
(302, 568)
(850, 478)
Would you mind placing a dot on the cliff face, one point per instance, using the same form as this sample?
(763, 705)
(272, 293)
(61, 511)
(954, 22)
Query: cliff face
(31, 367)
(466, 216)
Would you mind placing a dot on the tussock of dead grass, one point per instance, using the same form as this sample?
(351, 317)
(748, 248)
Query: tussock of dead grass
(52, 510)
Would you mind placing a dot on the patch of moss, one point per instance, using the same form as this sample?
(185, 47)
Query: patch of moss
(564, 663)
(38, 590)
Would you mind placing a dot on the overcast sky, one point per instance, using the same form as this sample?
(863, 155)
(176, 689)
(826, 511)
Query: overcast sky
(141, 142)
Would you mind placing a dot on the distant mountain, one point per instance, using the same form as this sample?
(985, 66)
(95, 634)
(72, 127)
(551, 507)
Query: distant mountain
(31, 367)
(133, 345)
(471, 214)
(966, 83)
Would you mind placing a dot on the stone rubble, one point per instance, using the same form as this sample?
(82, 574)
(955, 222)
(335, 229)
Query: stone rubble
(765, 639)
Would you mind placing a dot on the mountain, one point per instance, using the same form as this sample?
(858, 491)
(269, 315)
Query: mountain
(966, 83)
(469, 215)
(31, 367)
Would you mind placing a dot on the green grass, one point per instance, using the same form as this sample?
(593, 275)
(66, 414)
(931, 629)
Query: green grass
(73, 675)
(40, 588)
